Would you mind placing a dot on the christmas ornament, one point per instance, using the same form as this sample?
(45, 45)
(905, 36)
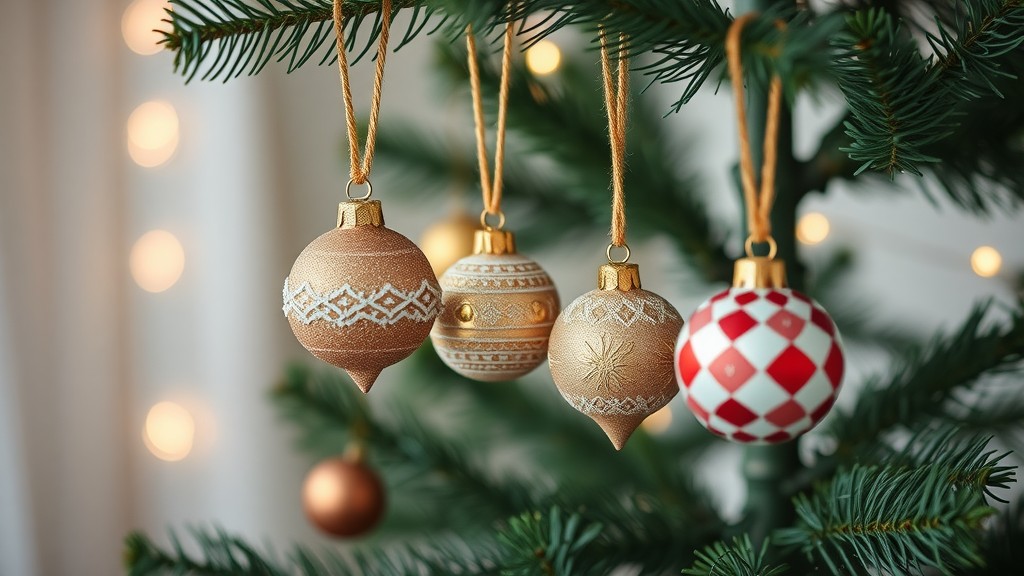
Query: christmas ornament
(445, 242)
(343, 496)
(759, 363)
(611, 348)
(498, 306)
(611, 352)
(361, 296)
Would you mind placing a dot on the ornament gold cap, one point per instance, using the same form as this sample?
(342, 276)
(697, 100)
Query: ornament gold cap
(493, 241)
(360, 213)
(759, 272)
(618, 276)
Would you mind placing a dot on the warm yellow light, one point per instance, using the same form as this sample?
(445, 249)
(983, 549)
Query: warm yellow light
(169, 431)
(543, 57)
(986, 261)
(152, 133)
(658, 422)
(449, 240)
(812, 228)
(157, 261)
(138, 24)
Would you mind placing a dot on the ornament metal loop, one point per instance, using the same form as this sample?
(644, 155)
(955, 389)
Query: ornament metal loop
(348, 191)
(488, 227)
(773, 248)
(608, 253)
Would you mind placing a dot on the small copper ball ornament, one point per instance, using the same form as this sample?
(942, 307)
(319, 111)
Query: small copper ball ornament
(343, 497)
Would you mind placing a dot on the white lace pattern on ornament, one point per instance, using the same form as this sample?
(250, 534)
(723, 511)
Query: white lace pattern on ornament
(344, 306)
(630, 311)
(628, 406)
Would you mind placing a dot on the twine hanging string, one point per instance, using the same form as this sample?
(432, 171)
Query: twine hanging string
(491, 189)
(759, 203)
(616, 100)
(360, 166)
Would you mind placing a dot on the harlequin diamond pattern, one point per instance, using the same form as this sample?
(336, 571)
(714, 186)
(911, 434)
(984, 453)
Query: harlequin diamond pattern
(759, 366)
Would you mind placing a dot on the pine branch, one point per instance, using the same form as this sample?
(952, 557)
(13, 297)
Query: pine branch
(738, 558)
(327, 413)
(221, 554)
(889, 519)
(968, 464)
(919, 387)
(902, 103)
(549, 544)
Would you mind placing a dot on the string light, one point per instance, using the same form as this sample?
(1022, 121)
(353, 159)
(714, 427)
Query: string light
(986, 261)
(543, 58)
(658, 422)
(812, 228)
(169, 431)
(152, 133)
(139, 25)
(157, 261)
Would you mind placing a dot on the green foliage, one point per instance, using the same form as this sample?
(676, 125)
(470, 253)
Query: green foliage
(968, 463)
(902, 103)
(893, 519)
(553, 545)
(221, 554)
(739, 558)
(919, 389)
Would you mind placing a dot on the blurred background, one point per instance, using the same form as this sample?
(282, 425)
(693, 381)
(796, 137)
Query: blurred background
(146, 226)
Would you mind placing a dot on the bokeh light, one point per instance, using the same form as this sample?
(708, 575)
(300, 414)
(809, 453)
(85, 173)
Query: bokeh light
(157, 261)
(812, 228)
(139, 23)
(447, 241)
(169, 432)
(986, 261)
(658, 422)
(152, 133)
(543, 58)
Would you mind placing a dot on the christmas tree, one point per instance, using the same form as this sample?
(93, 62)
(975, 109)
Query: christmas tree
(910, 477)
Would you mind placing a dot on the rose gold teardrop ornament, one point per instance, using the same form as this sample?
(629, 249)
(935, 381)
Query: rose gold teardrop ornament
(361, 296)
(611, 352)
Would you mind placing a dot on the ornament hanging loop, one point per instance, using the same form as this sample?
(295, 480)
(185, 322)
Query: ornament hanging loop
(758, 202)
(490, 188)
(486, 225)
(773, 248)
(608, 253)
(348, 191)
(361, 164)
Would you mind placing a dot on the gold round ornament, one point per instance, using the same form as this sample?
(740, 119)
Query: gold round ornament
(361, 296)
(449, 240)
(611, 352)
(497, 311)
(343, 497)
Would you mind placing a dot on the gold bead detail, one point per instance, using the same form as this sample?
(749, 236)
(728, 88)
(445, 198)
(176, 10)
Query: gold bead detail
(539, 312)
(465, 313)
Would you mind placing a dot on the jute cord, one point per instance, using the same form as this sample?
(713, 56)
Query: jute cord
(491, 189)
(758, 203)
(359, 167)
(616, 101)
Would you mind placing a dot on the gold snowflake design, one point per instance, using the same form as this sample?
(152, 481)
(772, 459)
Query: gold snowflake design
(605, 363)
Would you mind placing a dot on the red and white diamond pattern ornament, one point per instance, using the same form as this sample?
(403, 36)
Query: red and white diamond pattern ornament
(759, 365)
